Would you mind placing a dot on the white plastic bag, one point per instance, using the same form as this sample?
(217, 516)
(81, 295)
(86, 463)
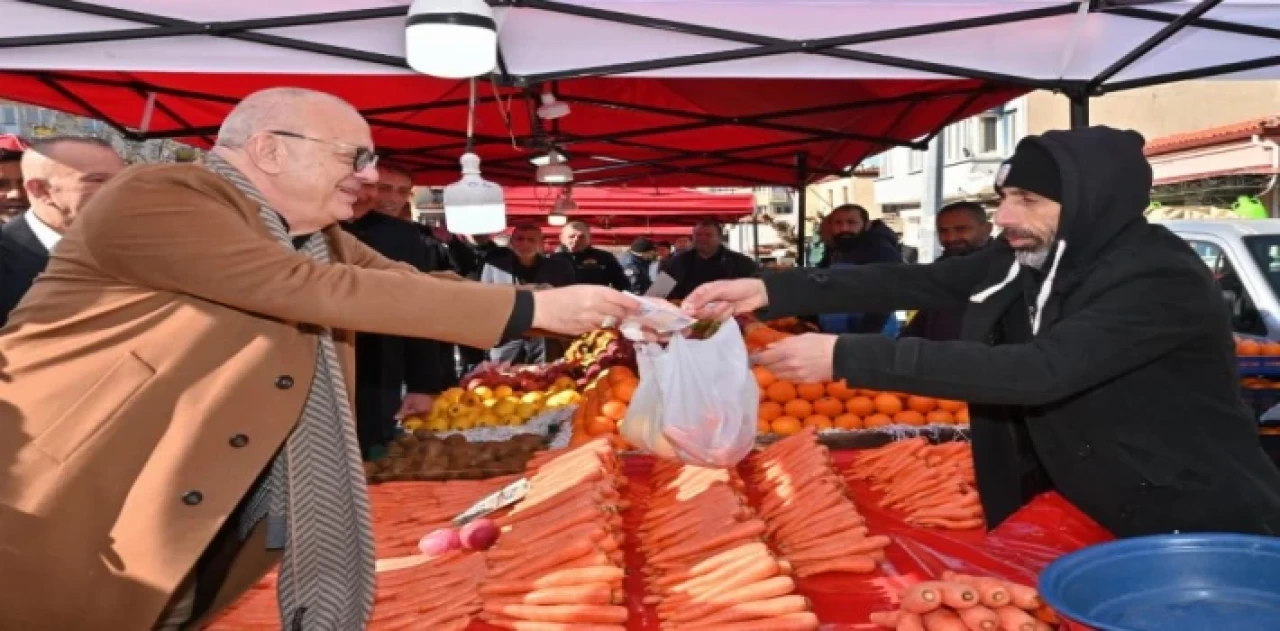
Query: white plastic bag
(697, 400)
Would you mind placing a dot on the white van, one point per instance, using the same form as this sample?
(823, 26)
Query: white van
(1244, 255)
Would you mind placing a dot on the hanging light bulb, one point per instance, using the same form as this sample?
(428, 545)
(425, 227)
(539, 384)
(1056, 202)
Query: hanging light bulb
(546, 158)
(452, 39)
(561, 209)
(555, 171)
(552, 108)
(474, 205)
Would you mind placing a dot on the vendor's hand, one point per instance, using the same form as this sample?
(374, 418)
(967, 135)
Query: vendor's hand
(722, 299)
(804, 358)
(578, 309)
(415, 404)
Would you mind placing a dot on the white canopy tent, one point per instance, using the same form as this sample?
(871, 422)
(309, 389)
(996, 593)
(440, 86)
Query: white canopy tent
(1104, 44)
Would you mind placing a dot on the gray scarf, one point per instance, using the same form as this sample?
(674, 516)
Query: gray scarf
(314, 497)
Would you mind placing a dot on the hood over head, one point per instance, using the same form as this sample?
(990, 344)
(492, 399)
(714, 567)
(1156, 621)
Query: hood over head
(1105, 184)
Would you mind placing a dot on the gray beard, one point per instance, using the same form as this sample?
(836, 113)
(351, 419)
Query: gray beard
(1034, 259)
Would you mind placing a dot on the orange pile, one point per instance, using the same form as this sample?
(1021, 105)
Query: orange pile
(604, 405)
(1249, 347)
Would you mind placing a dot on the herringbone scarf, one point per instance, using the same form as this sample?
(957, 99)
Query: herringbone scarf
(314, 497)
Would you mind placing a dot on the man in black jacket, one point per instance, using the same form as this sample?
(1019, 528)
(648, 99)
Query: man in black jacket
(963, 228)
(591, 265)
(637, 264)
(708, 260)
(395, 376)
(59, 175)
(1096, 355)
(854, 239)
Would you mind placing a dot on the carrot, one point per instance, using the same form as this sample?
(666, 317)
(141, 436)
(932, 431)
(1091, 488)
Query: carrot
(754, 610)
(853, 564)
(980, 618)
(589, 594)
(1014, 619)
(529, 625)
(805, 621)
(561, 578)
(743, 531)
(594, 614)
(957, 595)
(1023, 597)
(921, 598)
(942, 620)
(909, 621)
(885, 619)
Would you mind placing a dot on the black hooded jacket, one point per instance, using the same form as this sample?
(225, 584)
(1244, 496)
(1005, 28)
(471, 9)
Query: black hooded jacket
(1125, 394)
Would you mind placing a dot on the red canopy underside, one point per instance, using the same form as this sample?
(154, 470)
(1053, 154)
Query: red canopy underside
(671, 209)
(621, 131)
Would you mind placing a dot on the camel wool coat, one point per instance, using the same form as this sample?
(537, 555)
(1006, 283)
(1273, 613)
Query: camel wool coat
(154, 370)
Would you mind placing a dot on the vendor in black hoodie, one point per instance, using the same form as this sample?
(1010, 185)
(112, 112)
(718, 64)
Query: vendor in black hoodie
(1095, 351)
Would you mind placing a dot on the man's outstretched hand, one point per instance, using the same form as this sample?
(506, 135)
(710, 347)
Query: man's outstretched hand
(723, 299)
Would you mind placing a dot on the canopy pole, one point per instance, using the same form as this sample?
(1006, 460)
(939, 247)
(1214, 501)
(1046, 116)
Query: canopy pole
(755, 231)
(1079, 110)
(802, 194)
(934, 164)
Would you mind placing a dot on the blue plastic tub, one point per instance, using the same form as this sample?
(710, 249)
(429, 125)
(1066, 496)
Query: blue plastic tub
(1181, 582)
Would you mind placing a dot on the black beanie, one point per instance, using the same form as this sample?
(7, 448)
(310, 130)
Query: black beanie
(1032, 168)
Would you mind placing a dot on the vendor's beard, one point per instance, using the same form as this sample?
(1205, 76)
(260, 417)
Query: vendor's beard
(1033, 258)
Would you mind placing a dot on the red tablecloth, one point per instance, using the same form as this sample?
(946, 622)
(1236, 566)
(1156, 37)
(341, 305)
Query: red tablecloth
(1042, 531)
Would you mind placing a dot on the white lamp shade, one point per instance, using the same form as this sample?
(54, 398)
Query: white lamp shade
(473, 205)
(555, 173)
(556, 219)
(452, 39)
(548, 158)
(551, 108)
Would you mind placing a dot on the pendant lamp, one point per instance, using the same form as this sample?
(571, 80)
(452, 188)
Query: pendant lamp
(474, 205)
(451, 39)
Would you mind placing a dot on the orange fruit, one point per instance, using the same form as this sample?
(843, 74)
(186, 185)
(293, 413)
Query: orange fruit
(828, 407)
(847, 421)
(923, 405)
(1248, 348)
(763, 427)
(811, 391)
(623, 391)
(877, 420)
(962, 417)
(818, 422)
(888, 404)
(601, 425)
(620, 374)
(615, 410)
(798, 408)
(840, 391)
(763, 376)
(860, 405)
(619, 443)
(781, 391)
(770, 410)
(948, 405)
(1271, 349)
(786, 425)
(940, 417)
(909, 417)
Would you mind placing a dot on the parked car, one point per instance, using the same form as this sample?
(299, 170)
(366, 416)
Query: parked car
(1244, 255)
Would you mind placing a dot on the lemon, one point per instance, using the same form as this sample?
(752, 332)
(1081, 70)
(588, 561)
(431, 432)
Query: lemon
(413, 424)
(534, 398)
(502, 391)
(511, 420)
(564, 383)
(487, 419)
(437, 425)
(452, 395)
(482, 392)
(505, 407)
(526, 411)
(457, 410)
(489, 403)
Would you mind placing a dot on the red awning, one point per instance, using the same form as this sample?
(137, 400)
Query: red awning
(603, 207)
(635, 131)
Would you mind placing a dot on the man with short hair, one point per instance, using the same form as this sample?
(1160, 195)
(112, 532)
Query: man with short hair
(396, 376)
(522, 263)
(707, 261)
(1095, 353)
(591, 265)
(963, 228)
(636, 262)
(13, 198)
(176, 389)
(853, 239)
(60, 175)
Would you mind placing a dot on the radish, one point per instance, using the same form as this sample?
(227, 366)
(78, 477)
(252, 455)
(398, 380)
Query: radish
(440, 541)
(479, 534)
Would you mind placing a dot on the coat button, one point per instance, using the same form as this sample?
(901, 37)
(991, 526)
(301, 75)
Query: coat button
(1085, 450)
(284, 382)
(192, 498)
(239, 440)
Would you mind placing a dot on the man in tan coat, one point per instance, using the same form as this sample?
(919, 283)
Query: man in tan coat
(175, 411)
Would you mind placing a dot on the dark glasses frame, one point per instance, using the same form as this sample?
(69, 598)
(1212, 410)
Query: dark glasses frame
(364, 157)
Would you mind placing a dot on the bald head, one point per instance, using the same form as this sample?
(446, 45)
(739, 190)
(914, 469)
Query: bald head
(307, 152)
(62, 174)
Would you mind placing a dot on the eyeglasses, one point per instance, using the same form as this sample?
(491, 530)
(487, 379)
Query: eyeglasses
(364, 157)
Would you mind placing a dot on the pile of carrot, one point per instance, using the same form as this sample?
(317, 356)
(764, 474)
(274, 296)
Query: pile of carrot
(706, 566)
(810, 517)
(933, 485)
(454, 578)
(961, 602)
(558, 564)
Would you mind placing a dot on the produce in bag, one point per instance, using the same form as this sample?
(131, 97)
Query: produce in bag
(697, 400)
